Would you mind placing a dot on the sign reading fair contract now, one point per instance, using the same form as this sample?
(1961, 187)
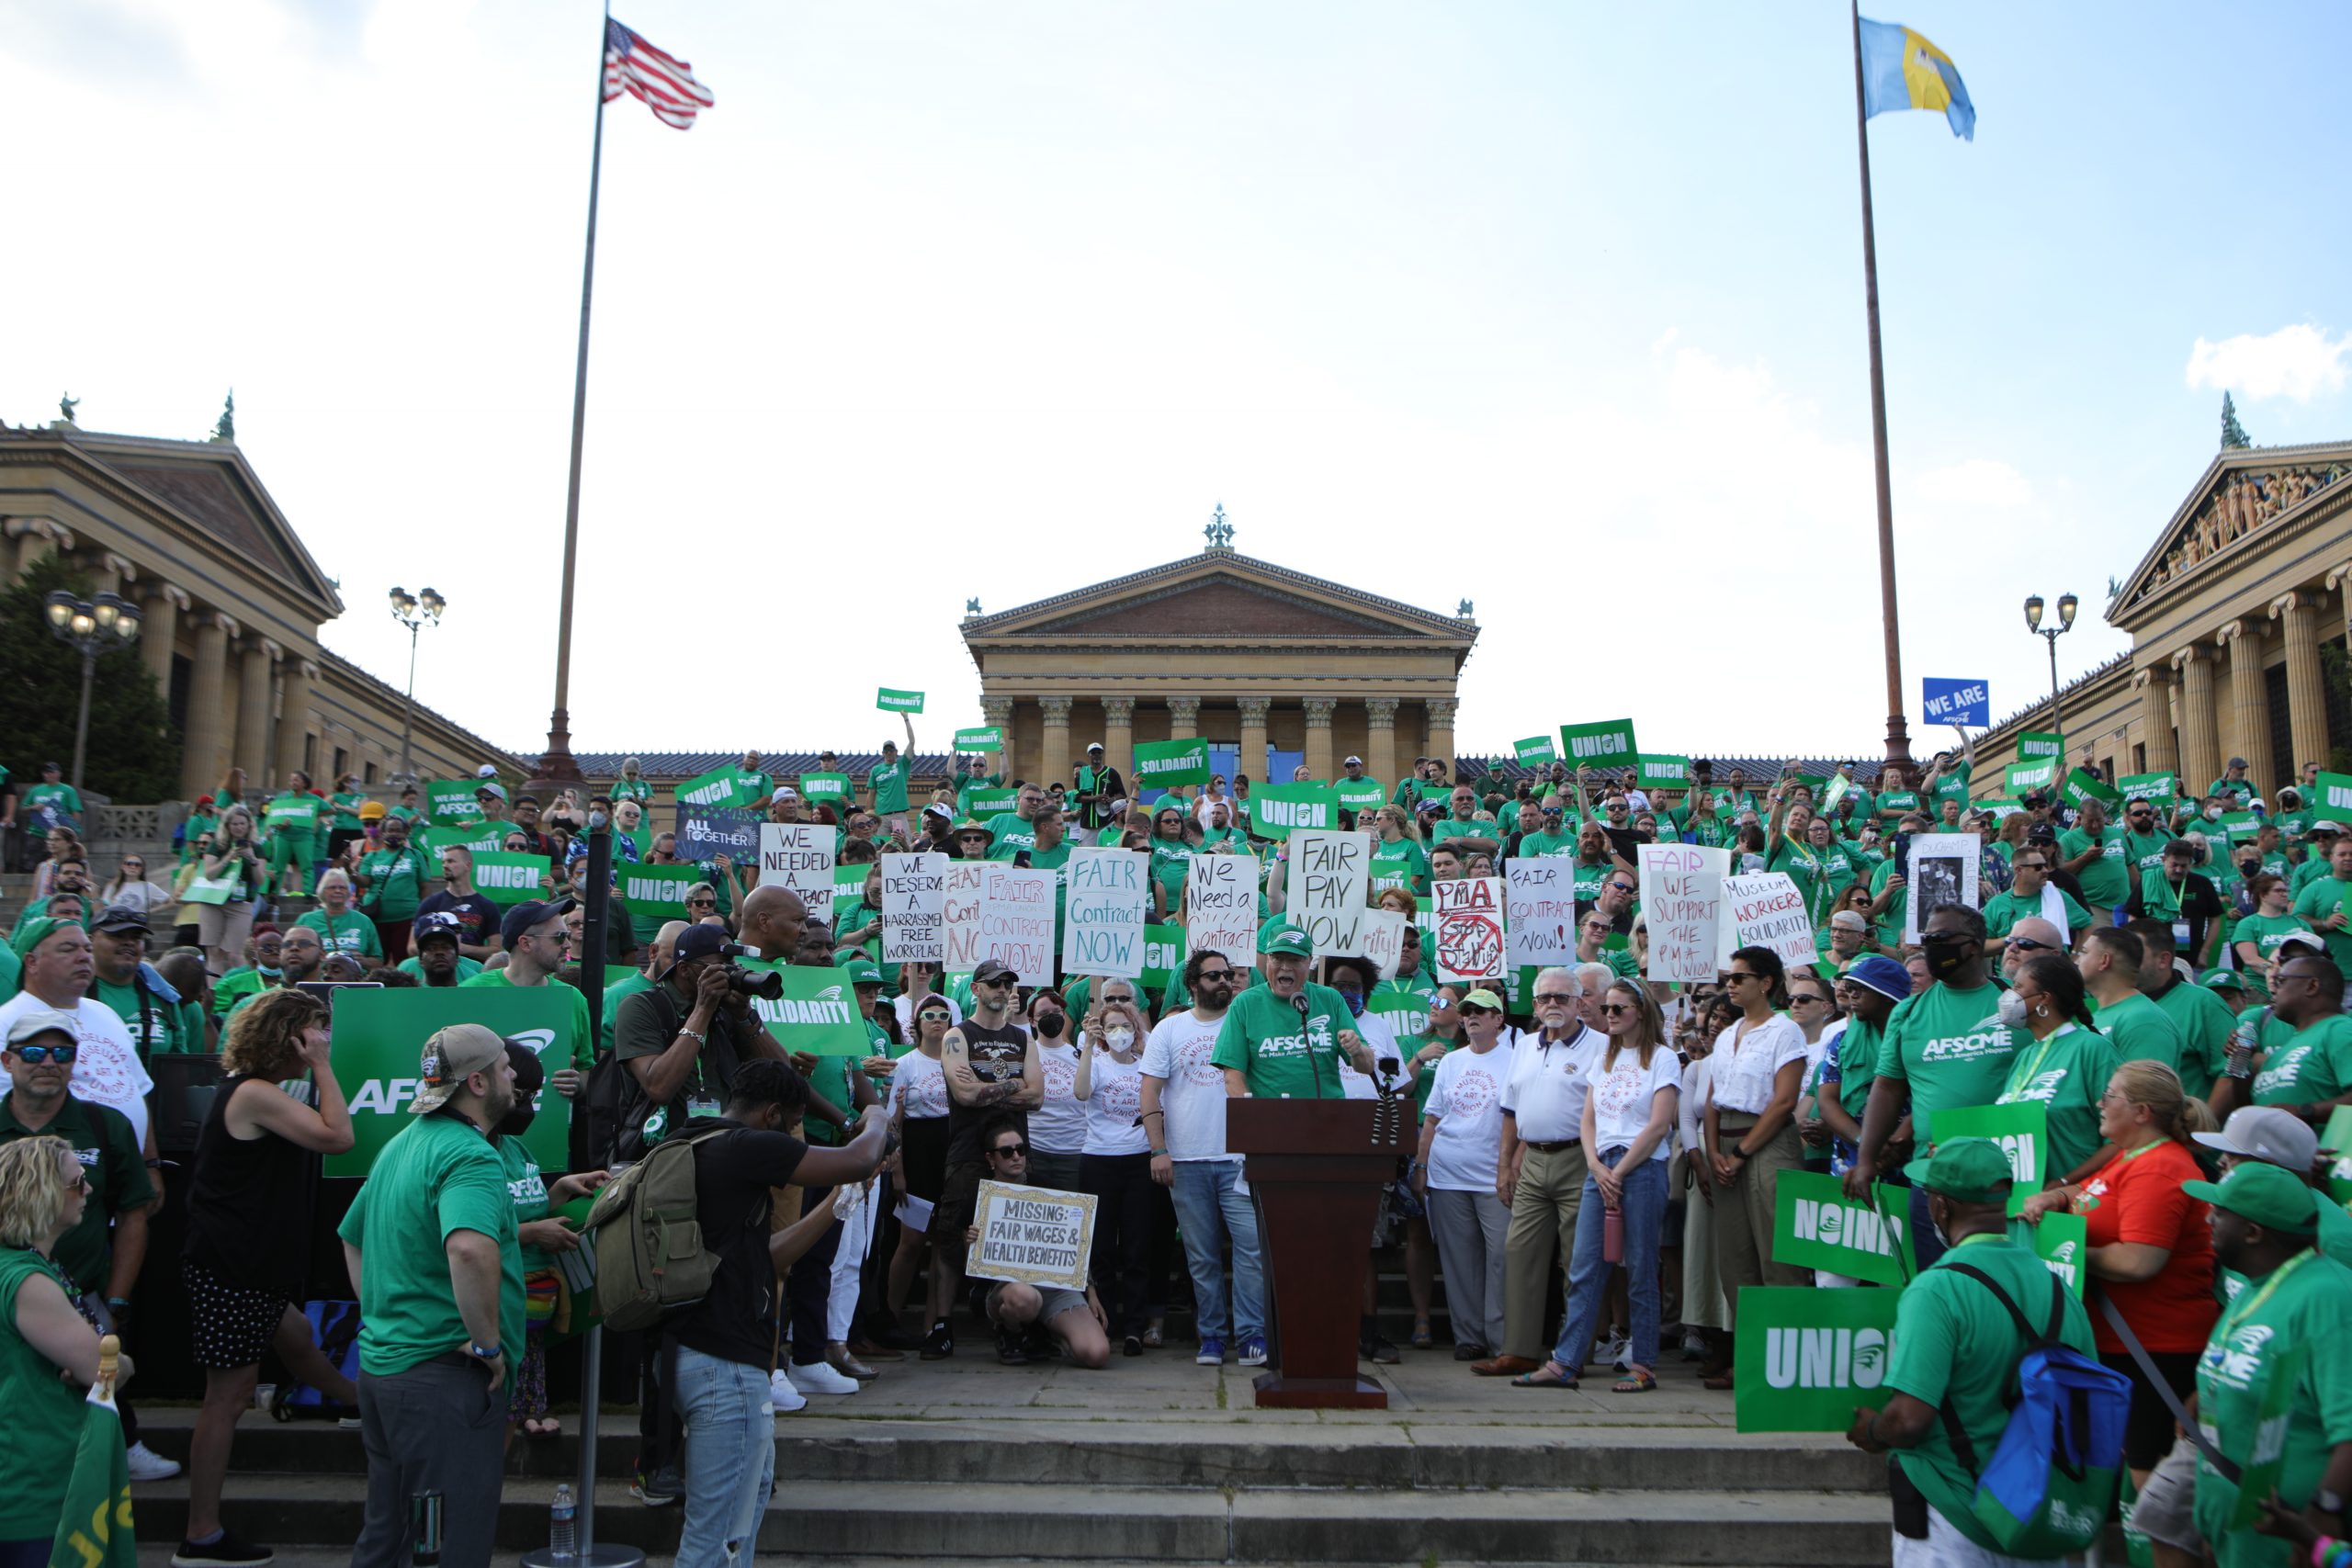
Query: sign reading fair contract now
(381, 1034)
(1608, 744)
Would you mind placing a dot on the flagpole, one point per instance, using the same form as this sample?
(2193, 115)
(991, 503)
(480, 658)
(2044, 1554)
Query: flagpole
(557, 764)
(1898, 741)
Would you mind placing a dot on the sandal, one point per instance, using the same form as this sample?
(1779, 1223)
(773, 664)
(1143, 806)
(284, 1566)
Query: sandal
(1549, 1375)
(1422, 1338)
(1635, 1382)
(543, 1427)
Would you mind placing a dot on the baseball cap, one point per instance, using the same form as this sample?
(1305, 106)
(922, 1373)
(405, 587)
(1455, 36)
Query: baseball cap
(122, 918)
(450, 1055)
(440, 922)
(1849, 921)
(2237, 761)
(35, 932)
(2268, 1195)
(2267, 1133)
(1353, 762)
(1094, 746)
(487, 770)
(2310, 940)
(698, 940)
(783, 792)
(1973, 1170)
(497, 791)
(524, 916)
(2223, 980)
(1482, 998)
(1880, 974)
(41, 1021)
(1281, 937)
(862, 972)
(935, 809)
(993, 969)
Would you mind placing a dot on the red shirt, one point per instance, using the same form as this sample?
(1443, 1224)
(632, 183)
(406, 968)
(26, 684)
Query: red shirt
(2137, 1197)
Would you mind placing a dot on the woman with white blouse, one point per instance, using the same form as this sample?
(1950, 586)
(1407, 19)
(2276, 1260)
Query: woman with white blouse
(1115, 1166)
(918, 1107)
(1751, 1127)
(1460, 1139)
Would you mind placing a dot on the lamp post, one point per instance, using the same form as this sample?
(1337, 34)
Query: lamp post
(2067, 605)
(414, 610)
(89, 626)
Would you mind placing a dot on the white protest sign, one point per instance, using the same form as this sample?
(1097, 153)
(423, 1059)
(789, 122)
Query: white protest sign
(1221, 908)
(1682, 890)
(1032, 1235)
(1943, 871)
(1330, 879)
(1539, 910)
(1469, 911)
(799, 855)
(914, 909)
(1766, 911)
(967, 881)
(1109, 902)
(1017, 921)
(1384, 939)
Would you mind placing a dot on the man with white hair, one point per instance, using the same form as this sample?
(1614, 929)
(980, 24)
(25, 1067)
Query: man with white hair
(1540, 1168)
(1592, 980)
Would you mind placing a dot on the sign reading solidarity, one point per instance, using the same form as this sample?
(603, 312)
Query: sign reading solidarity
(914, 909)
(1276, 810)
(1955, 701)
(473, 836)
(1221, 908)
(889, 701)
(1329, 887)
(1536, 748)
(1384, 939)
(1034, 1235)
(817, 1012)
(2023, 1132)
(982, 738)
(1682, 894)
(380, 1033)
(1109, 903)
(799, 855)
(1765, 911)
(1803, 1358)
(1469, 919)
(706, 832)
(2082, 785)
(1170, 764)
(1608, 744)
(1539, 910)
(1816, 1225)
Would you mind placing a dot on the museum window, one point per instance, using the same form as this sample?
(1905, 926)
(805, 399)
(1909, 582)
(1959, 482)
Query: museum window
(176, 698)
(2336, 674)
(2284, 763)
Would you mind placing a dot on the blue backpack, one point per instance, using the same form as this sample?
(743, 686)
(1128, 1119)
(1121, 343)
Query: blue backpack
(2051, 1483)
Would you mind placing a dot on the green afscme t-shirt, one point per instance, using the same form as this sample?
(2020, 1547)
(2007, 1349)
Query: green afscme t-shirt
(2307, 1304)
(1954, 1341)
(2142, 1031)
(439, 1175)
(2102, 879)
(1262, 1038)
(1008, 834)
(889, 782)
(2312, 1065)
(2323, 897)
(583, 1052)
(1951, 1047)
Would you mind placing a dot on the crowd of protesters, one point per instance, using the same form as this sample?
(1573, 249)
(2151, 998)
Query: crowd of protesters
(2166, 974)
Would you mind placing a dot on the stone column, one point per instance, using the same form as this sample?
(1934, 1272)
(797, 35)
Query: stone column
(37, 539)
(1184, 717)
(1441, 712)
(258, 655)
(294, 718)
(110, 574)
(1253, 738)
(201, 762)
(159, 629)
(1119, 736)
(2155, 686)
(1380, 739)
(998, 711)
(2249, 702)
(2306, 689)
(2201, 749)
(1056, 756)
(1320, 764)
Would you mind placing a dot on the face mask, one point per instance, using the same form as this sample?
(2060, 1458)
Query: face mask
(2213, 814)
(1050, 1025)
(1945, 954)
(518, 1121)
(1118, 1037)
(1355, 1003)
(2013, 1009)
(266, 972)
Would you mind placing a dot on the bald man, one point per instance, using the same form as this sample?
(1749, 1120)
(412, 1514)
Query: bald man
(2028, 936)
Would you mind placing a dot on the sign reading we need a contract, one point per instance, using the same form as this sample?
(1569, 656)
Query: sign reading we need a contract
(1963, 701)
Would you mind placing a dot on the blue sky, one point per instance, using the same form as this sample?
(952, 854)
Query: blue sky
(1556, 309)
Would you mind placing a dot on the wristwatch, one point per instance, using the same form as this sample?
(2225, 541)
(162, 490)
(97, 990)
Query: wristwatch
(485, 1352)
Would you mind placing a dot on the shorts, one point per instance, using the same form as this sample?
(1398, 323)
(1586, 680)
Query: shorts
(2166, 1508)
(2148, 1430)
(959, 1194)
(922, 1157)
(1059, 1300)
(233, 1326)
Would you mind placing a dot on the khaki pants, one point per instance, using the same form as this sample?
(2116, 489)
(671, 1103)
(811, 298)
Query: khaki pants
(1543, 1218)
(1743, 1211)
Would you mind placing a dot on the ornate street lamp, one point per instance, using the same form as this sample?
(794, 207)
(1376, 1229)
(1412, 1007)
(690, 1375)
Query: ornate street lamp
(89, 626)
(414, 610)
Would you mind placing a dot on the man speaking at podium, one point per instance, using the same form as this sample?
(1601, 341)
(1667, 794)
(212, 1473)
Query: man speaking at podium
(1282, 1040)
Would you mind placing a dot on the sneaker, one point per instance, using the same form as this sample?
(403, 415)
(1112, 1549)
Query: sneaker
(819, 1377)
(1010, 1348)
(939, 1343)
(1253, 1350)
(1132, 1344)
(146, 1464)
(782, 1396)
(1694, 1345)
(225, 1551)
(1611, 1351)
(1212, 1353)
(1373, 1347)
(663, 1489)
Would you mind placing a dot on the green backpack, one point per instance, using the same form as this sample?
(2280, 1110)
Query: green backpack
(646, 1231)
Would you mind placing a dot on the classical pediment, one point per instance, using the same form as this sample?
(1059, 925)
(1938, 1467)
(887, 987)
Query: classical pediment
(1219, 594)
(2246, 492)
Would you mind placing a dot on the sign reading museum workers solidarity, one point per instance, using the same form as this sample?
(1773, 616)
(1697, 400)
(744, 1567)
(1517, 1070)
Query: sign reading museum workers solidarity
(1803, 1358)
(1032, 1235)
(1766, 911)
(1609, 744)
(1166, 764)
(377, 1033)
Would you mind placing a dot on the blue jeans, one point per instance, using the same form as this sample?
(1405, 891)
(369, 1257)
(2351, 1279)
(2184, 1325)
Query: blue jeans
(1208, 1211)
(730, 1457)
(1644, 1214)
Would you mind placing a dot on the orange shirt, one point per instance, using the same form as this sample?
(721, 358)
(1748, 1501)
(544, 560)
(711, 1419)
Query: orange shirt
(2137, 1197)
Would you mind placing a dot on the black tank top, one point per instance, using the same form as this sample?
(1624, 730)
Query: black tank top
(996, 1055)
(250, 1204)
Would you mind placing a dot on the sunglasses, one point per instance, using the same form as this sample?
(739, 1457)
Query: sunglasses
(1621, 887)
(1473, 1010)
(34, 1055)
(1553, 997)
(1734, 977)
(1008, 1150)
(702, 903)
(1000, 980)
(2031, 945)
(1616, 1009)
(1805, 997)
(935, 1015)
(1221, 977)
(80, 1181)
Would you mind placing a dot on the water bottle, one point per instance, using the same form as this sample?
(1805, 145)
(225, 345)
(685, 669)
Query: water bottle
(563, 1529)
(1613, 1237)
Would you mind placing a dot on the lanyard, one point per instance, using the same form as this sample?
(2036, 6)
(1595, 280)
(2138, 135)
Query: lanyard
(2277, 1276)
(2033, 1068)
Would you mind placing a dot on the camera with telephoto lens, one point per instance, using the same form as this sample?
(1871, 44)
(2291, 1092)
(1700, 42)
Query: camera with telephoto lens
(768, 986)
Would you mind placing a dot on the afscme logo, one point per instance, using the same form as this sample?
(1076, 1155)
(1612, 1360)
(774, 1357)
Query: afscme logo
(384, 1096)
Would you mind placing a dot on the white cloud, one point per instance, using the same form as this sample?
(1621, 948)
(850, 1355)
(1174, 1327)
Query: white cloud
(2298, 362)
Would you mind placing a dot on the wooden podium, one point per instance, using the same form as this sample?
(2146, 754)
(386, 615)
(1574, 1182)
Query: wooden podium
(1315, 1167)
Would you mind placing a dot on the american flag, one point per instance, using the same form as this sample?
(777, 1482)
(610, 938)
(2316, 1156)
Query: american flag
(666, 83)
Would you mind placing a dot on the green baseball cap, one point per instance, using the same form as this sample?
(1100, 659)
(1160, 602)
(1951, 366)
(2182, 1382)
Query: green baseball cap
(2221, 981)
(862, 972)
(35, 932)
(2273, 1198)
(1973, 1170)
(1285, 938)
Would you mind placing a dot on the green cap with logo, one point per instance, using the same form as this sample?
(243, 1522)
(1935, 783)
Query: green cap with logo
(2223, 980)
(1282, 937)
(862, 972)
(2273, 1198)
(1971, 1171)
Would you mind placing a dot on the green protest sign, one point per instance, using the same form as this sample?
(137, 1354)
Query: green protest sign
(1275, 809)
(1816, 1225)
(1803, 1358)
(2242, 825)
(988, 803)
(380, 1037)
(1167, 764)
(2160, 787)
(2034, 745)
(720, 786)
(2025, 778)
(817, 1013)
(295, 813)
(506, 879)
(1163, 956)
(2267, 1459)
(1840, 787)
(984, 737)
(2023, 1132)
(889, 701)
(2330, 798)
(475, 836)
(2338, 1140)
(1657, 770)
(2083, 785)
(1608, 744)
(1359, 795)
(656, 893)
(827, 789)
(2063, 1241)
(1536, 748)
(2002, 807)
(451, 801)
